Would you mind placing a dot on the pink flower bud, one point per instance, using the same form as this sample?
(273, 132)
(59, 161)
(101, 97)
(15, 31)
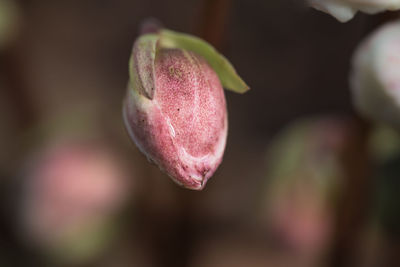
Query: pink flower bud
(305, 174)
(73, 192)
(175, 112)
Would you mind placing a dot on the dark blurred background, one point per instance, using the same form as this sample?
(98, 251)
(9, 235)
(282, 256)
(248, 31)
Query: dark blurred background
(304, 181)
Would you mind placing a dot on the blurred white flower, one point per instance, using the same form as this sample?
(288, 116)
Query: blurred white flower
(344, 10)
(375, 79)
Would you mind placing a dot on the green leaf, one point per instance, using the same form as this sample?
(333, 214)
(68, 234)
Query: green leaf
(141, 65)
(224, 69)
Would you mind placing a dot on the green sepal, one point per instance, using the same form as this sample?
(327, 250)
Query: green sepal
(229, 78)
(141, 65)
